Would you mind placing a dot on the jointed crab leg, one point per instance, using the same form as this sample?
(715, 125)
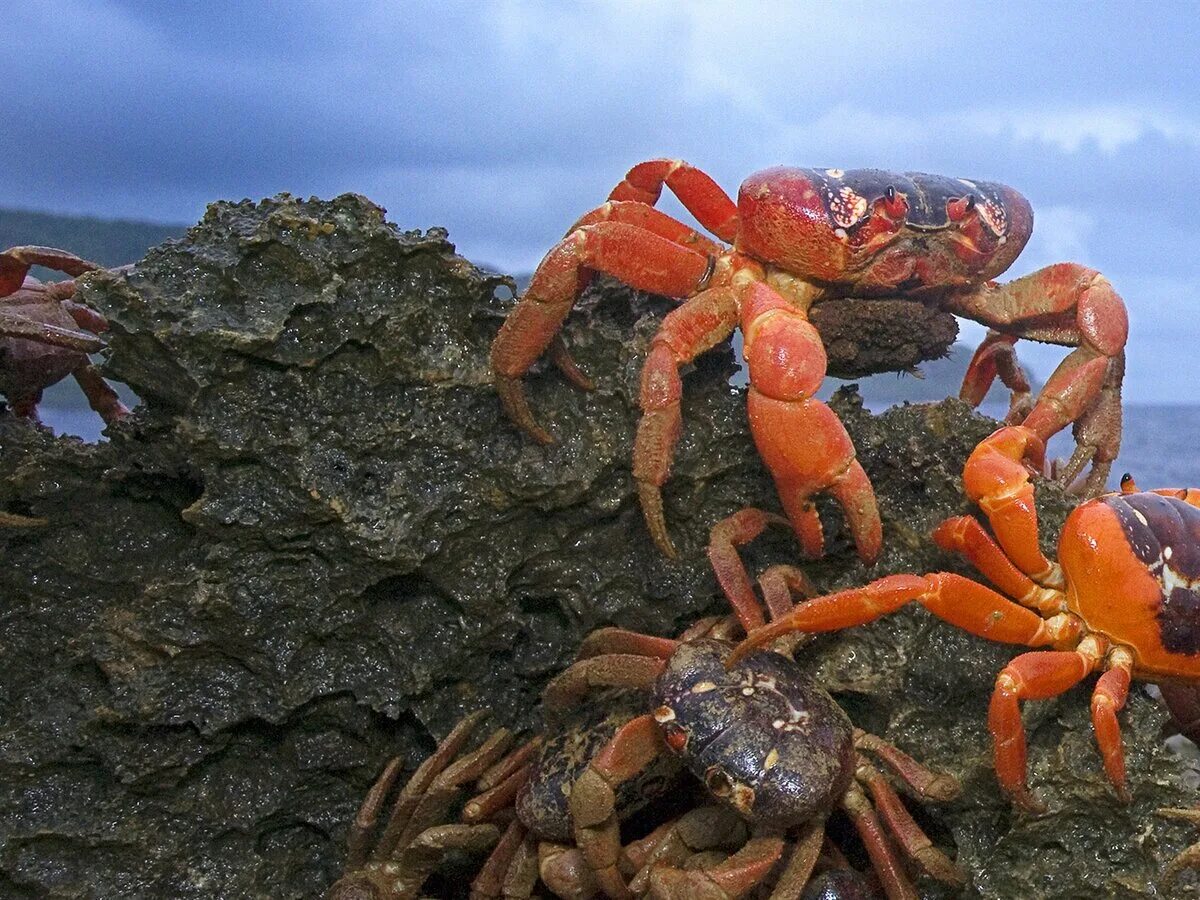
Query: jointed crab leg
(17, 326)
(699, 194)
(593, 798)
(1075, 306)
(16, 262)
(700, 324)
(640, 258)
(802, 442)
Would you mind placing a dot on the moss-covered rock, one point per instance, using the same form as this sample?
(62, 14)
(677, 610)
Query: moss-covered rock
(318, 542)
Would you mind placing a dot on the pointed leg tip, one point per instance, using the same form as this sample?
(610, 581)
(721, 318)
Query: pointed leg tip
(650, 496)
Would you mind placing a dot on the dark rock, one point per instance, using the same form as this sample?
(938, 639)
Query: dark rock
(318, 543)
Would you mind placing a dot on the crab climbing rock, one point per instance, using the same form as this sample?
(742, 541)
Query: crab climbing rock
(1122, 598)
(797, 238)
(45, 335)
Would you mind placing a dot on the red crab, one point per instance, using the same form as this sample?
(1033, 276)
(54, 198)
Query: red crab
(1123, 598)
(797, 237)
(40, 337)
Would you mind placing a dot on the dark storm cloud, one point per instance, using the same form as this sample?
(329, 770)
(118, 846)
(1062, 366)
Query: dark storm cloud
(504, 121)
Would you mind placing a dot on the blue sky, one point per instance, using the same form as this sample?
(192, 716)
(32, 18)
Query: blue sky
(504, 121)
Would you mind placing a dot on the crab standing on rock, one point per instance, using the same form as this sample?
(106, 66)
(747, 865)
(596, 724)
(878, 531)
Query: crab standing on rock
(1123, 598)
(798, 237)
(767, 742)
(46, 336)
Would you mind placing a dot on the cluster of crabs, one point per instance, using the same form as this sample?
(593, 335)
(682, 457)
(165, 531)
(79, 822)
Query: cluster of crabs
(723, 716)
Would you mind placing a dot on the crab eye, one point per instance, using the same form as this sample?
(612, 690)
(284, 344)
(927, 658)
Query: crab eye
(893, 203)
(959, 207)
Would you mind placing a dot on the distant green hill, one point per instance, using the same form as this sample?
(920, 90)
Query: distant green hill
(110, 242)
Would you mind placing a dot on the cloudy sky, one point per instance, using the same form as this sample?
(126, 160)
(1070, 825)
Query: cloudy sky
(505, 120)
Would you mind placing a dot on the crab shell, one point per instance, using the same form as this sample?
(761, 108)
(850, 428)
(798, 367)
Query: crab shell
(1132, 565)
(882, 233)
(764, 737)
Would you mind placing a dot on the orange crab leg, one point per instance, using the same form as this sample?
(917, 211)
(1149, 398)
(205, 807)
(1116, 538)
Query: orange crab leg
(653, 220)
(964, 534)
(699, 194)
(640, 258)
(996, 356)
(1074, 306)
(1108, 699)
(995, 478)
(952, 598)
(1031, 676)
(801, 440)
(731, 878)
(699, 324)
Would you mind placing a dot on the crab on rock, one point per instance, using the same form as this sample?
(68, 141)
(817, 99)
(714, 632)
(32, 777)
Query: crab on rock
(45, 335)
(1124, 597)
(797, 237)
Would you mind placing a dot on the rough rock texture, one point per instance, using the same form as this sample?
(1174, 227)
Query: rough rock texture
(318, 543)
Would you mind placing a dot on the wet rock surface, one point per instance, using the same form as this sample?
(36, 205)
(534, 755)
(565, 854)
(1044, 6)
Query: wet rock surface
(318, 543)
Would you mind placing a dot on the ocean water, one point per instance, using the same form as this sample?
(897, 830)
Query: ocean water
(1160, 446)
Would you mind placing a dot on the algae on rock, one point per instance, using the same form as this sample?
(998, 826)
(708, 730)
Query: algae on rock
(318, 543)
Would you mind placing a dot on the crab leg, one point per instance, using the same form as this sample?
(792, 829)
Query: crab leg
(627, 670)
(15, 263)
(952, 598)
(640, 258)
(1108, 699)
(908, 834)
(413, 794)
(995, 478)
(802, 442)
(964, 534)
(1031, 676)
(699, 194)
(604, 641)
(925, 783)
(100, 397)
(883, 859)
(1074, 306)
(700, 324)
(593, 798)
(996, 356)
(733, 877)
(16, 326)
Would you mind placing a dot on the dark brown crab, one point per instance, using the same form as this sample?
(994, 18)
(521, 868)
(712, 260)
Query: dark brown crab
(768, 743)
(46, 336)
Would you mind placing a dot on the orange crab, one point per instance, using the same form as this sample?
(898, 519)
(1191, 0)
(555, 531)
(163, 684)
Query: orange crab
(1124, 597)
(797, 237)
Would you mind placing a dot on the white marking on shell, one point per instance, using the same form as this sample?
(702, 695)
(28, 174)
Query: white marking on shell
(1141, 518)
(772, 760)
(664, 714)
(703, 687)
(835, 173)
(1167, 552)
(839, 233)
(969, 184)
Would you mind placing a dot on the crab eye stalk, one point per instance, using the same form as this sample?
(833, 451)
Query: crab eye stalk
(893, 203)
(960, 207)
